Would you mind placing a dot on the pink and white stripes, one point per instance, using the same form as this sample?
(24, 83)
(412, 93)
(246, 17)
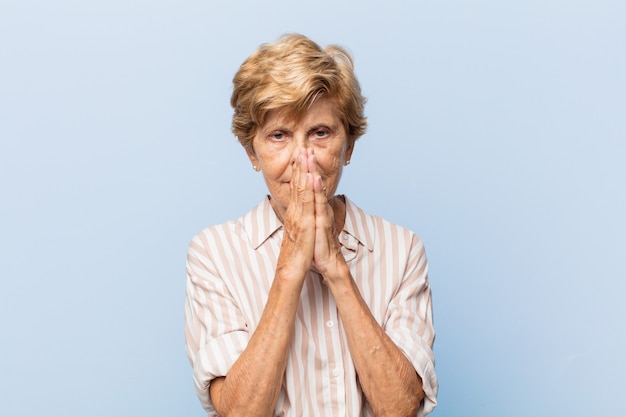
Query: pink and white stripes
(230, 268)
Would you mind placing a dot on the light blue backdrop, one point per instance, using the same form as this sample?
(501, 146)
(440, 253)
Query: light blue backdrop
(497, 132)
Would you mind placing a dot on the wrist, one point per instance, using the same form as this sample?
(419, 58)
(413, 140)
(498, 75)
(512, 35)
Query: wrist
(336, 271)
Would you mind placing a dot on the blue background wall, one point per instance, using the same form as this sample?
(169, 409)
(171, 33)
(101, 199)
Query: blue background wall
(497, 132)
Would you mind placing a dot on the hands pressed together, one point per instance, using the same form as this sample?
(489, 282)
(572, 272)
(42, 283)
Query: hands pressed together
(311, 226)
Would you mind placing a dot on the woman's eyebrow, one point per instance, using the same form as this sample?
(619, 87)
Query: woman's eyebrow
(332, 126)
(275, 126)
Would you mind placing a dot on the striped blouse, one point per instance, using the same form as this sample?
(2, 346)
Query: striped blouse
(230, 268)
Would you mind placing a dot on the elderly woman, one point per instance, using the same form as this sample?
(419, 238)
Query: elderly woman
(307, 305)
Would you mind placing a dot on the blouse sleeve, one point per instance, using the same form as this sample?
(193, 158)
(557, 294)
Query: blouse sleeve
(215, 330)
(409, 322)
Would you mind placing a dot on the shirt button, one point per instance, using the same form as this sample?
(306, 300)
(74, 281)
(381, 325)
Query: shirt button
(335, 373)
(344, 236)
(329, 323)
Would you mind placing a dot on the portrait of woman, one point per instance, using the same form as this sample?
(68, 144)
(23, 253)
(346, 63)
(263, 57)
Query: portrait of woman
(307, 304)
(201, 214)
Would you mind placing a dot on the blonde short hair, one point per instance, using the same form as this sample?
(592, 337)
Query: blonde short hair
(289, 75)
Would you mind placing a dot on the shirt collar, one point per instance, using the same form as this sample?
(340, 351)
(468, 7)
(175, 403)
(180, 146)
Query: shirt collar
(262, 222)
(358, 225)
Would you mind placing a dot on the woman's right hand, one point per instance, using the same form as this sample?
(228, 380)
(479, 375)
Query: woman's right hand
(296, 254)
(253, 384)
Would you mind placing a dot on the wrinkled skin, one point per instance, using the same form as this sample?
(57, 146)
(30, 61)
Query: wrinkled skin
(302, 164)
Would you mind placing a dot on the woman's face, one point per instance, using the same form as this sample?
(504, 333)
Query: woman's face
(279, 140)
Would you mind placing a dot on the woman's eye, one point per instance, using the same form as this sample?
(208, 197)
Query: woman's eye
(277, 136)
(320, 133)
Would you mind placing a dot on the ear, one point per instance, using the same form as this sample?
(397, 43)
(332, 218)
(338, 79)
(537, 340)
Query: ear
(253, 158)
(349, 149)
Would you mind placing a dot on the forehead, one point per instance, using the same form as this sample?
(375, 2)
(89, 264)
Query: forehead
(322, 111)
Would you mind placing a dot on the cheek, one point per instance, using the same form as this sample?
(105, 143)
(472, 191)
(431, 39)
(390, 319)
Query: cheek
(330, 168)
(275, 164)
(333, 162)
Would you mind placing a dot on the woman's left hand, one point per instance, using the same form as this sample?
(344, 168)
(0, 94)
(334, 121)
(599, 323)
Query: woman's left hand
(327, 253)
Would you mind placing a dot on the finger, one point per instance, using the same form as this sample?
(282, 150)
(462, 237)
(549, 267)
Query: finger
(310, 160)
(294, 173)
(323, 209)
(295, 182)
(302, 161)
(304, 155)
(303, 197)
(301, 210)
(316, 172)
